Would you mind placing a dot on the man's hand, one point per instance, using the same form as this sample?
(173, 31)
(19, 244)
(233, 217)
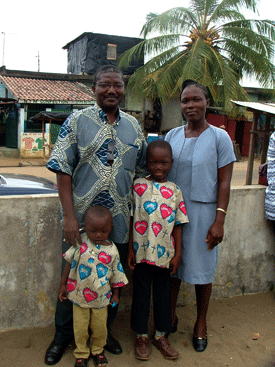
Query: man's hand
(70, 223)
(71, 230)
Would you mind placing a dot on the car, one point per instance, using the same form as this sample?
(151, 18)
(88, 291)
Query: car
(19, 184)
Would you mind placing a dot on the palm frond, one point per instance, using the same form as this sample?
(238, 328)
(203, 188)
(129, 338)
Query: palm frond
(176, 20)
(211, 42)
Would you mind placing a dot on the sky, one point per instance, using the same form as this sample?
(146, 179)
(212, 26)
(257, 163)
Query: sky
(31, 28)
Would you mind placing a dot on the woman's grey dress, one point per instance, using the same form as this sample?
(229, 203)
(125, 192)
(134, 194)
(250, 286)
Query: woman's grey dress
(198, 264)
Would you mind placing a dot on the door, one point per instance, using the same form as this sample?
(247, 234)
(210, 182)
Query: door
(11, 128)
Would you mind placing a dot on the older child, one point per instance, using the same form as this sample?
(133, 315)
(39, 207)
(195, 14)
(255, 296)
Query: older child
(91, 280)
(155, 249)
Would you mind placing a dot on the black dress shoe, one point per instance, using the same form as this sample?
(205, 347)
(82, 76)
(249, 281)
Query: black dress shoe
(55, 352)
(199, 344)
(112, 346)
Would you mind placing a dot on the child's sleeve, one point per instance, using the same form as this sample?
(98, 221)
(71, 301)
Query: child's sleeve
(69, 254)
(118, 277)
(181, 213)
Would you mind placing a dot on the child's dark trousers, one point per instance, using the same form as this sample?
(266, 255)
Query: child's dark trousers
(144, 276)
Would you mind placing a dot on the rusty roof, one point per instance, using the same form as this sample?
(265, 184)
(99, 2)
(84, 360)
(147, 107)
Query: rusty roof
(29, 90)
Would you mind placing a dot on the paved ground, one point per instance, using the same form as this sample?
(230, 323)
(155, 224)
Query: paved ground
(37, 167)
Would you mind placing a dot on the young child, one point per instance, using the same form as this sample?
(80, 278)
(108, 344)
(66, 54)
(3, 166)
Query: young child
(155, 249)
(91, 280)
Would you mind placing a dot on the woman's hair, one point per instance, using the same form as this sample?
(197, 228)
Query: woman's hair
(189, 82)
(158, 143)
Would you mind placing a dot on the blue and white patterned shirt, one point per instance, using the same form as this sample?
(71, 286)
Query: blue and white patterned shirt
(81, 151)
(270, 190)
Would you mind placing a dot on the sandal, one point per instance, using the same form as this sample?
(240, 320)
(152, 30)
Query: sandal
(100, 359)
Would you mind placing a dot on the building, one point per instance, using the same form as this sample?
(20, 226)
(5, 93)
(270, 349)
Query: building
(24, 94)
(89, 51)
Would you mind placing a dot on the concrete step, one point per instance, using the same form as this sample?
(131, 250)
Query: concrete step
(9, 152)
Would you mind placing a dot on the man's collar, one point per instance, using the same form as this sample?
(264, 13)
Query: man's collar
(103, 116)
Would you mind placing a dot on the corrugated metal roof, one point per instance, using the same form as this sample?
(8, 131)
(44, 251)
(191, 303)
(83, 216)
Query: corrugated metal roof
(28, 90)
(257, 106)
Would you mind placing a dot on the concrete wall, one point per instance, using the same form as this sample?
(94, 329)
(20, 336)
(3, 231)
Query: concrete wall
(30, 260)
(171, 115)
(31, 256)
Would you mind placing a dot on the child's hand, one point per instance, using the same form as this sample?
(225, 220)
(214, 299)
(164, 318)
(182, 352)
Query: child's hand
(114, 299)
(131, 259)
(174, 264)
(63, 292)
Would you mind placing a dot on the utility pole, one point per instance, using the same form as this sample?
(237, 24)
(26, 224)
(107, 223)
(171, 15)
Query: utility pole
(4, 38)
(38, 59)
(3, 56)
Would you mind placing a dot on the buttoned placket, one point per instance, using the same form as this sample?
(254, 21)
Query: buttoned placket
(112, 133)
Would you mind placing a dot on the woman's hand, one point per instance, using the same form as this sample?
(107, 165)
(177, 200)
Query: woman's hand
(215, 232)
(214, 235)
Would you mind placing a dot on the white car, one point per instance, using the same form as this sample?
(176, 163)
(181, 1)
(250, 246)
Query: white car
(18, 184)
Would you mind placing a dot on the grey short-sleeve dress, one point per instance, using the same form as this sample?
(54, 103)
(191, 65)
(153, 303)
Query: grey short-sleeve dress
(195, 167)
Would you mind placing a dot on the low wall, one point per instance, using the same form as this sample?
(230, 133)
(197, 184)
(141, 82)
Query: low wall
(31, 256)
(30, 260)
(246, 255)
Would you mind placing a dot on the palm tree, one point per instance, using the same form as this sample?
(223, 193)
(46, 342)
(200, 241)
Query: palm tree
(211, 42)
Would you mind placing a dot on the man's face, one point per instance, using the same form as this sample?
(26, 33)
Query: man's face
(109, 91)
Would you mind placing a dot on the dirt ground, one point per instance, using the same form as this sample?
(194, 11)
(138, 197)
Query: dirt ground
(240, 334)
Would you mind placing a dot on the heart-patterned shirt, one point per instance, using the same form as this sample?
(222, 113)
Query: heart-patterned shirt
(158, 207)
(95, 269)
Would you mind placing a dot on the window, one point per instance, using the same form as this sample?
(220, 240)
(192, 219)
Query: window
(35, 108)
(111, 52)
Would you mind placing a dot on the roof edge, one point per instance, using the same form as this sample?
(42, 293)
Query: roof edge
(43, 75)
(86, 34)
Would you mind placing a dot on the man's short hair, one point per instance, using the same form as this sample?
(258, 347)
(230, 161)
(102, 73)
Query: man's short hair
(158, 143)
(99, 211)
(106, 69)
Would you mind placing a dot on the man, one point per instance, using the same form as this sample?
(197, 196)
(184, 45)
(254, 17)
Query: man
(97, 154)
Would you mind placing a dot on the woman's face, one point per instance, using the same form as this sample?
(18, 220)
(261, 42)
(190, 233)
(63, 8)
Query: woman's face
(193, 104)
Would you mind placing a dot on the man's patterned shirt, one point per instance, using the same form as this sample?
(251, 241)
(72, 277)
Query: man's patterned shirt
(81, 151)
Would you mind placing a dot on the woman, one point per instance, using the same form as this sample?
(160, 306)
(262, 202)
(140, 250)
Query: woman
(203, 162)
